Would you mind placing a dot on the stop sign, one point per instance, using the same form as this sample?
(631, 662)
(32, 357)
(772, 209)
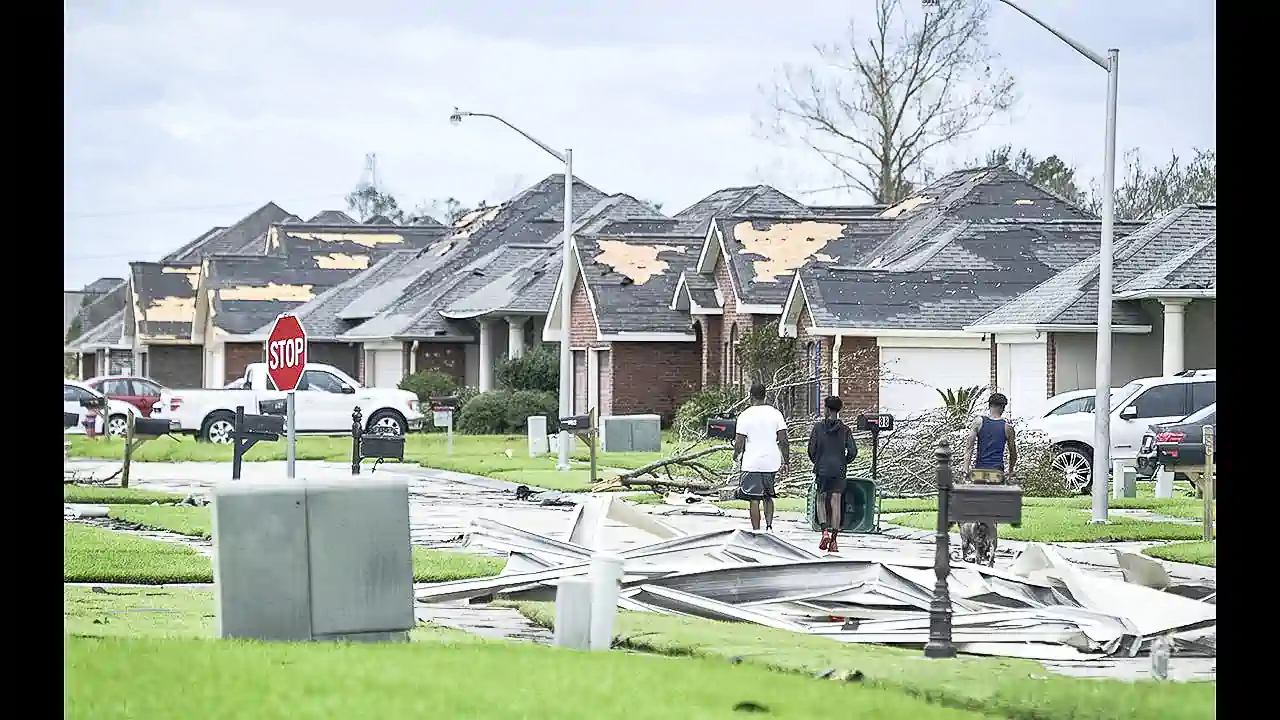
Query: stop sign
(286, 352)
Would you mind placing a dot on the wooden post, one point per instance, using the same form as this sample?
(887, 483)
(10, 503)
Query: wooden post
(128, 450)
(1208, 484)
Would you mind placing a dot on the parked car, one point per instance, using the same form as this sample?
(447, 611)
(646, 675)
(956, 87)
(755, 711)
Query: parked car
(1067, 403)
(114, 421)
(1177, 446)
(326, 398)
(138, 392)
(1134, 407)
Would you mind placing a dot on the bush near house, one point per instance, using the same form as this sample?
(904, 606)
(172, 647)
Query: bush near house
(427, 384)
(485, 414)
(526, 403)
(537, 371)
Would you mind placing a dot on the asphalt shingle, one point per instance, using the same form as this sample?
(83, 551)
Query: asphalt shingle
(164, 299)
(234, 239)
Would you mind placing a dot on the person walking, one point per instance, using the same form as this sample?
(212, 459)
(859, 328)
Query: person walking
(831, 450)
(763, 451)
(990, 434)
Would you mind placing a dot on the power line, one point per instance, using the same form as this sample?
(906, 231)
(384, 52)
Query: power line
(194, 208)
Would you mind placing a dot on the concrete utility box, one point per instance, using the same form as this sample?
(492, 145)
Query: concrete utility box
(313, 559)
(631, 433)
(1124, 480)
(537, 425)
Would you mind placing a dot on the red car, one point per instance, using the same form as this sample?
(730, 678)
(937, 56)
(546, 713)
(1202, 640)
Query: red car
(138, 392)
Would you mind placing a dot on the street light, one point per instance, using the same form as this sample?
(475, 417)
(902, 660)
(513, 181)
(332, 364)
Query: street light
(566, 292)
(1102, 380)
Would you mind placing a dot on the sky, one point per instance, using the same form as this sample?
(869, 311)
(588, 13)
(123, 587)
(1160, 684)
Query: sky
(182, 115)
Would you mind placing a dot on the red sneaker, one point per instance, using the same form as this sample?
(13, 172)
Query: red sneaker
(826, 540)
(831, 546)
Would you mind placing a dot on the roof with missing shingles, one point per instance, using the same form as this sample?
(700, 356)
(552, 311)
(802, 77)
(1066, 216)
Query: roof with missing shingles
(237, 238)
(164, 299)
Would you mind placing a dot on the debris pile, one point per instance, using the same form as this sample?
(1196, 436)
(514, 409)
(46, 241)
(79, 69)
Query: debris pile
(1044, 607)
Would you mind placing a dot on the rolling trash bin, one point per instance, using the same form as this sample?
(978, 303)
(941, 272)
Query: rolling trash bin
(859, 514)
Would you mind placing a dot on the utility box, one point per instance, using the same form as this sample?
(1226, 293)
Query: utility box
(313, 559)
(631, 433)
(537, 425)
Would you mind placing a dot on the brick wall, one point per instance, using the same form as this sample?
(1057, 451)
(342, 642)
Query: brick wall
(449, 358)
(993, 384)
(730, 320)
(1051, 365)
(653, 377)
(712, 348)
(237, 357)
(859, 375)
(583, 330)
(808, 344)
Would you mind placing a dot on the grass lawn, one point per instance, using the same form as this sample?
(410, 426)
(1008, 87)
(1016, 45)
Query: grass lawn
(101, 495)
(996, 686)
(1057, 523)
(144, 678)
(1201, 552)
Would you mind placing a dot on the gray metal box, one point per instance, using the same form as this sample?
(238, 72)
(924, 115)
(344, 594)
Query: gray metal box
(631, 433)
(986, 503)
(311, 560)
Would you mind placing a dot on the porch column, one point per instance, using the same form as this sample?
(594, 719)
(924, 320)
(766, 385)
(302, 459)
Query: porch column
(80, 366)
(1174, 335)
(515, 336)
(486, 355)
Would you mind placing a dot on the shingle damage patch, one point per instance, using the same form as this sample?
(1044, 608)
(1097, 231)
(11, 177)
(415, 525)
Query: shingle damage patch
(170, 309)
(270, 291)
(365, 239)
(342, 261)
(785, 246)
(192, 273)
(638, 263)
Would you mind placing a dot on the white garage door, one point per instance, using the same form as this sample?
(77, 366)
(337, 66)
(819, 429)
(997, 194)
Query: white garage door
(1027, 380)
(388, 368)
(914, 376)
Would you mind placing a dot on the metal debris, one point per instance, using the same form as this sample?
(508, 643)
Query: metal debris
(1042, 608)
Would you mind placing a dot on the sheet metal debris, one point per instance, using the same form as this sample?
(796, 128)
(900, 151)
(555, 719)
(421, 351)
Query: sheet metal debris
(1044, 607)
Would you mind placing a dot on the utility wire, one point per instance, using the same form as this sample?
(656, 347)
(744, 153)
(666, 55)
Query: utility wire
(195, 208)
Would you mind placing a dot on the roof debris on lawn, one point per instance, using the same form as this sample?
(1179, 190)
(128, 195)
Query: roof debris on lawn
(1043, 608)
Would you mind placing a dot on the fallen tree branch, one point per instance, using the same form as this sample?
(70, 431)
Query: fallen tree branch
(665, 464)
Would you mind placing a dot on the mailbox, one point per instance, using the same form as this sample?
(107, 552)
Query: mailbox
(262, 427)
(576, 423)
(69, 419)
(985, 503)
(273, 407)
(722, 428)
(443, 403)
(94, 403)
(382, 444)
(151, 427)
(878, 422)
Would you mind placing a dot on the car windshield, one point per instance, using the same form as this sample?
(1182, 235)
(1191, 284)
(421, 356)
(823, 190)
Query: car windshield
(1124, 393)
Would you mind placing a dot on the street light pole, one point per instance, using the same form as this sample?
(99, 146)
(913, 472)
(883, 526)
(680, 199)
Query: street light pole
(1106, 258)
(566, 289)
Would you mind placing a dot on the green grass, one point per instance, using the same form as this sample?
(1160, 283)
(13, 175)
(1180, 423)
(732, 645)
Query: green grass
(445, 565)
(1200, 552)
(997, 686)
(101, 495)
(180, 519)
(1052, 523)
(155, 678)
(91, 554)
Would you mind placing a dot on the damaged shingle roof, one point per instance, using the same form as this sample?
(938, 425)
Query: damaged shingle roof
(758, 200)
(698, 288)
(966, 272)
(633, 278)
(847, 211)
(323, 315)
(332, 217)
(348, 247)
(108, 334)
(164, 299)
(1176, 251)
(528, 288)
(103, 285)
(249, 291)
(239, 238)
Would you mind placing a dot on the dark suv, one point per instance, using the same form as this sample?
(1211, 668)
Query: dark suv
(1176, 446)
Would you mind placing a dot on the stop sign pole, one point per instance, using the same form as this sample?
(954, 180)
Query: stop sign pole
(286, 359)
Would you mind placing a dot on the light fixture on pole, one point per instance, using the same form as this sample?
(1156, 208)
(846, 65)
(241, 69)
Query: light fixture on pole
(1106, 258)
(566, 289)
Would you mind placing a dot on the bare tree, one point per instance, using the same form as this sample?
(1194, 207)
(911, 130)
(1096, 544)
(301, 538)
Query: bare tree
(1146, 192)
(879, 103)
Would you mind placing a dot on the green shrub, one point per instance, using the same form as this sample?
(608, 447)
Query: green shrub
(690, 417)
(537, 371)
(525, 403)
(464, 395)
(427, 384)
(485, 414)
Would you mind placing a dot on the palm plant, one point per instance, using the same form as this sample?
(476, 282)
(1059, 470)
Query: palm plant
(962, 403)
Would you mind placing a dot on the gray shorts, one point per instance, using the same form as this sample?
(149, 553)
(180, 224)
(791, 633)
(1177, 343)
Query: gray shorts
(756, 485)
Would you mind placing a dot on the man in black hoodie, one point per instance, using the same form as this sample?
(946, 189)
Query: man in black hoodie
(831, 449)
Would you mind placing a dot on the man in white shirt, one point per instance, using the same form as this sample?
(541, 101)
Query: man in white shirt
(762, 448)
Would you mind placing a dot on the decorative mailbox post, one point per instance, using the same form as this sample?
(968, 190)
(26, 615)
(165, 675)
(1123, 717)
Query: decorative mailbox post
(249, 430)
(442, 411)
(584, 428)
(379, 443)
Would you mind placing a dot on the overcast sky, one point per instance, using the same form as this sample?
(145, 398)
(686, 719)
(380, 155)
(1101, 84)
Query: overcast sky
(186, 114)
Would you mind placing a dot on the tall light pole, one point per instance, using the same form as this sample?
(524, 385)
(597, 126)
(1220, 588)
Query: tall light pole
(1102, 380)
(566, 290)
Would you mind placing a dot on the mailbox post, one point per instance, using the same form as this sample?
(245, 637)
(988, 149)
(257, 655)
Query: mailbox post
(584, 427)
(249, 430)
(875, 424)
(379, 443)
(1208, 489)
(138, 431)
(940, 645)
(442, 411)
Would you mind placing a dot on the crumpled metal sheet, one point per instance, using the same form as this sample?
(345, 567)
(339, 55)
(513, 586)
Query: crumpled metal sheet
(1044, 607)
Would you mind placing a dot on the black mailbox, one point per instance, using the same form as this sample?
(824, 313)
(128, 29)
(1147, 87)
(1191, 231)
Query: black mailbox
(576, 423)
(151, 427)
(94, 403)
(450, 402)
(971, 502)
(722, 428)
(273, 407)
(263, 427)
(878, 422)
(70, 419)
(382, 444)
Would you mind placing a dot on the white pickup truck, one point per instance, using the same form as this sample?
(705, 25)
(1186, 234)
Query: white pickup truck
(326, 398)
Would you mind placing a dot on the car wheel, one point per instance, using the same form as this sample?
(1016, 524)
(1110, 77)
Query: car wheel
(117, 425)
(388, 421)
(219, 428)
(1076, 465)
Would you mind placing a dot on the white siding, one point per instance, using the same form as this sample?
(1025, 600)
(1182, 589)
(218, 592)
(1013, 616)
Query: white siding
(914, 376)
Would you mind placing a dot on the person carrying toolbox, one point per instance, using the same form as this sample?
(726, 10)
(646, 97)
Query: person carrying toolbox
(831, 449)
(990, 434)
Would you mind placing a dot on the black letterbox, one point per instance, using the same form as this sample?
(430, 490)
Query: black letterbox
(70, 419)
(273, 407)
(722, 428)
(382, 446)
(450, 402)
(264, 427)
(986, 503)
(576, 423)
(151, 427)
(879, 422)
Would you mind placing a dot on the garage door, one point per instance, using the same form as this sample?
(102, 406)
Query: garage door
(388, 368)
(1027, 379)
(913, 376)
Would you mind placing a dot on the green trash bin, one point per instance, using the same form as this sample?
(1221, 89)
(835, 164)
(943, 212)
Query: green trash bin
(859, 514)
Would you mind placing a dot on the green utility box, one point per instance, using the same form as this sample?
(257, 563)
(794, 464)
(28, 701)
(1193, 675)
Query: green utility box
(860, 506)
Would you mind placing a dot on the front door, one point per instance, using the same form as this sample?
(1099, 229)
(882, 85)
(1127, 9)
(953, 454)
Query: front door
(1155, 405)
